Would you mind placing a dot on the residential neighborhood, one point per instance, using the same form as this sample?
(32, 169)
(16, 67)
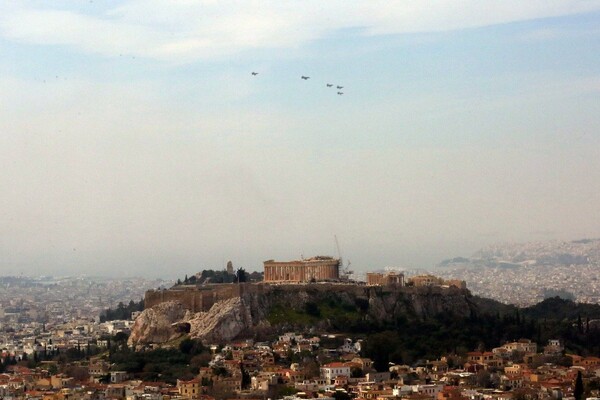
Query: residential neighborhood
(327, 366)
(53, 349)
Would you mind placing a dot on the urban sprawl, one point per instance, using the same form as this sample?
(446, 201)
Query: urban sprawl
(55, 337)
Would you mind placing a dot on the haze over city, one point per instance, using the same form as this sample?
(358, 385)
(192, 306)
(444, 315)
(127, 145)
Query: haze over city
(134, 138)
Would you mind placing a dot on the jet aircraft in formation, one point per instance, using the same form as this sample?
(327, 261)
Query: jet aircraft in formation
(305, 77)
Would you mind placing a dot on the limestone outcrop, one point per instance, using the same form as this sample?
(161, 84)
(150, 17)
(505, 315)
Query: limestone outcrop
(167, 321)
(155, 325)
(223, 322)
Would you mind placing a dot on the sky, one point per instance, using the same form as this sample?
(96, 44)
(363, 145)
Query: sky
(134, 139)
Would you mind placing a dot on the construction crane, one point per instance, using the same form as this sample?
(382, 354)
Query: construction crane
(345, 269)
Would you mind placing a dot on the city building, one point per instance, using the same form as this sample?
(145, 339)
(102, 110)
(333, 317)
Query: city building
(426, 280)
(190, 389)
(385, 278)
(431, 280)
(332, 370)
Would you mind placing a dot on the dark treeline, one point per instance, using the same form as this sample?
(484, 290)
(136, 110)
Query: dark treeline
(558, 308)
(122, 311)
(60, 357)
(168, 364)
(410, 337)
(222, 276)
(183, 361)
(407, 341)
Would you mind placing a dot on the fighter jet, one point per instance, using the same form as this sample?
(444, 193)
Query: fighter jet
(255, 73)
(305, 77)
(329, 85)
(340, 93)
(339, 87)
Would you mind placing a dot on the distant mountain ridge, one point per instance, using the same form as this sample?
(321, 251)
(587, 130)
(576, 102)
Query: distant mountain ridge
(526, 273)
(575, 252)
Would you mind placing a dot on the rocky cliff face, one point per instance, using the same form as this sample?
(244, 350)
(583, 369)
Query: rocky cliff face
(155, 325)
(223, 322)
(295, 306)
(170, 320)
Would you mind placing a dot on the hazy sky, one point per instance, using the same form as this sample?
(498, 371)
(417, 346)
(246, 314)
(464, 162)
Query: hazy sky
(134, 140)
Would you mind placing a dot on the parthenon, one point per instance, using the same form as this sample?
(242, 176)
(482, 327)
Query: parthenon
(318, 268)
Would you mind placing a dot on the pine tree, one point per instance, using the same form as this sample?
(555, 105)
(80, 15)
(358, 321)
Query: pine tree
(587, 324)
(578, 391)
